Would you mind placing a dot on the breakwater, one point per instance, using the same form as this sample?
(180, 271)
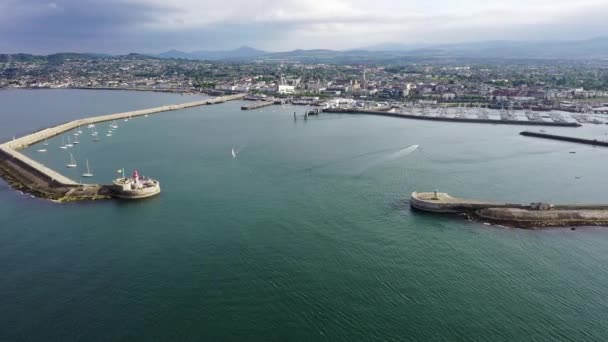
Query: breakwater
(449, 119)
(533, 215)
(594, 142)
(28, 175)
(257, 105)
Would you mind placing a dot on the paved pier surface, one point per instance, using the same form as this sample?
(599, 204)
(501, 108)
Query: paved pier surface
(53, 131)
(449, 119)
(257, 105)
(440, 202)
(40, 179)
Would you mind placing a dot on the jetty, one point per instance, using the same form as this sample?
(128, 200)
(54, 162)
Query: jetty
(28, 175)
(258, 104)
(530, 216)
(451, 119)
(593, 142)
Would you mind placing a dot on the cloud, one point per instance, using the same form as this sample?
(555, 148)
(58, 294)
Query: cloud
(119, 26)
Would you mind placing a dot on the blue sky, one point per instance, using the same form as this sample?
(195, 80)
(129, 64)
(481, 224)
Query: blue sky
(121, 26)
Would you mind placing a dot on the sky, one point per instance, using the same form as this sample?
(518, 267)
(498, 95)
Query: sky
(153, 26)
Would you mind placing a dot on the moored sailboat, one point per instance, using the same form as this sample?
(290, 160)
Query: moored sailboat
(88, 173)
(72, 164)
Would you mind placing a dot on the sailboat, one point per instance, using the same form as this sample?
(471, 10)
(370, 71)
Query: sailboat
(79, 131)
(88, 173)
(63, 147)
(94, 132)
(45, 143)
(69, 144)
(234, 154)
(72, 163)
(76, 142)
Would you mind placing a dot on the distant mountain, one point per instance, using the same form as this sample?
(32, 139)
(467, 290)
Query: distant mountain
(591, 48)
(387, 53)
(393, 46)
(244, 52)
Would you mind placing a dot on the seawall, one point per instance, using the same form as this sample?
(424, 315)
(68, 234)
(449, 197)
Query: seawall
(257, 105)
(593, 142)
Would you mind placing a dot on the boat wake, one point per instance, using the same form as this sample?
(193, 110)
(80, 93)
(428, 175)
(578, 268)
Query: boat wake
(393, 156)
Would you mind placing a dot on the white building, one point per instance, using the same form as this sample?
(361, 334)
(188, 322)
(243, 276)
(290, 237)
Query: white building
(285, 89)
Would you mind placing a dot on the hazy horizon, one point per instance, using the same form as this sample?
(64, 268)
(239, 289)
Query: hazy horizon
(154, 26)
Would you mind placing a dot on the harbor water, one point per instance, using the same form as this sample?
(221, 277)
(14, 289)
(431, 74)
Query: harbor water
(305, 235)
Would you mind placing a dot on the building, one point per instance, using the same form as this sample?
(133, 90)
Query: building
(285, 89)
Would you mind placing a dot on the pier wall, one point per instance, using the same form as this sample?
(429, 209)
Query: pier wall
(593, 142)
(46, 133)
(257, 105)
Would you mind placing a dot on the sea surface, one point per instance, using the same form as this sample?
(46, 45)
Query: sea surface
(306, 235)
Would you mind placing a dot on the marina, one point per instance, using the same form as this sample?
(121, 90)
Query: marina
(504, 118)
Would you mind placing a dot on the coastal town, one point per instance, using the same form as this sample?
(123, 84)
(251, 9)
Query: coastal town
(535, 85)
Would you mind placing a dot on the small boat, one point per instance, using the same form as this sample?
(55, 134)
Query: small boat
(72, 164)
(76, 142)
(96, 139)
(75, 134)
(91, 126)
(88, 173)
(79, 131)
(42, 150)
(94, 133)
(234, 154)
(45, 143)
(109, 134)
(63, 147)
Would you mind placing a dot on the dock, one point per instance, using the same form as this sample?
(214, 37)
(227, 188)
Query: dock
(593, 142)
(257, 105)
(530, 216)
(28, 175)
(450, 119)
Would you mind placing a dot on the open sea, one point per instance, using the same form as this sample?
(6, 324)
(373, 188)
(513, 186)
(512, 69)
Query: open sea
(306, 235)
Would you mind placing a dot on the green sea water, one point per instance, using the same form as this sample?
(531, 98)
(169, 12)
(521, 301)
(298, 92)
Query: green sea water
(307, 235)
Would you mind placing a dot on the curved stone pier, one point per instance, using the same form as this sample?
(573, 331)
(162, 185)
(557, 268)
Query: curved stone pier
(534, 215)
(29, 175)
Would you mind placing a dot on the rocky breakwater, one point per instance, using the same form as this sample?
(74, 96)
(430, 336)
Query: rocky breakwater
(530, 216)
